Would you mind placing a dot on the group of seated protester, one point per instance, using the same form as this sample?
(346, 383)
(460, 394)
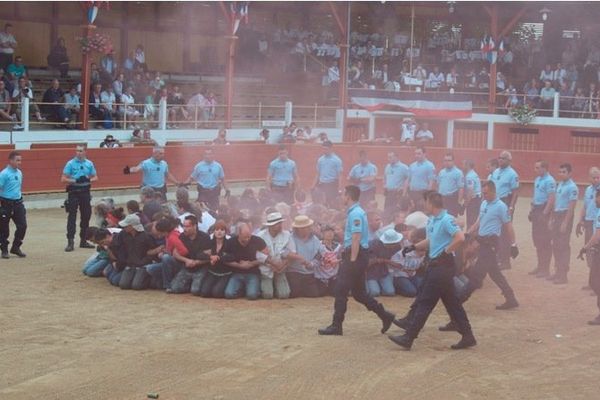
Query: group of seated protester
(250, 247)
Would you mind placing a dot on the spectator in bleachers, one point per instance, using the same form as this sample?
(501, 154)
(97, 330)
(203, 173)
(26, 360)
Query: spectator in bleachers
(139, 136)
(157, 83)
(5, 107)
(139, 84)
(98, 111)
(424, 134)
(129, 65)
(94, 74)
(17, 69)
(221, 137)
(110, 142)
(57, 110)
(572, 76)
(483, 78)
(579, 102)
(8, 84)
(140, 58)
(23, 90)
(436, 78)
(565, 99)
(452, 78)
(559, 75)
(195, 105)
(512, 100)
(547, 74)
(591, 102)
(127, 107)
(532, 93)
(264, 136)
(118, 85)
(209, 108)
(500, 82)
(8, 44)
(58, 57)
(177, 110)
(109, 101)
(72, 103)
(420, 72)
(108, 69)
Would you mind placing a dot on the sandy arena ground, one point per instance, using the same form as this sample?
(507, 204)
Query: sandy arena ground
(65, 336)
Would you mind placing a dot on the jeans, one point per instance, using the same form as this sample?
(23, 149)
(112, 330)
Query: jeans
(407, 287)
(113, 275)
(249, 280)
(277, 286)
(214, 285)
(351, 277)
(135, 278)
(164, 271)
(304, 285)
(15, 210)
(382, 286)
(94, 266)
(81, 201)
(188, 281)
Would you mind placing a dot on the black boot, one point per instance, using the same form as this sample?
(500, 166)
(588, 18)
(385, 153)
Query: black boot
(595, 321)
(85, 245)
(5, 252)
(335, 329)
(466, 341)
(449, 327)
(404, 341)
(386, 318)
(17, 251)
(70, 245)
(509, 303)
(402, 323)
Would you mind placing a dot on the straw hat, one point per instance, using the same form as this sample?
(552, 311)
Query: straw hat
(302, 221)
(274, 219)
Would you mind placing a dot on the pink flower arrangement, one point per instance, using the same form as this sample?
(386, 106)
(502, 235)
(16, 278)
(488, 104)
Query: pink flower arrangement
(97, 42)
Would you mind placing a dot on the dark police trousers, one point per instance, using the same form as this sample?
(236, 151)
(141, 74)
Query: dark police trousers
(392, 197)
(351, 277)
(331, 191)
(283, 193)
(209, 196)
(588, 227)
(472, 210)
(78, 199)
(15, 210)
(542, 237)
(561, 248)
(504, 244)
(438, 284)
(417, 197)
(487, 263)
(451, 204)
(593, 257)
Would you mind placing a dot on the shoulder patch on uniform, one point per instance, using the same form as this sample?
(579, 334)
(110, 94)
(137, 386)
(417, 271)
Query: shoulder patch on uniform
(357, 222)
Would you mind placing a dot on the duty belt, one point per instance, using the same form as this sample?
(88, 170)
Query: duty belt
(490, 240)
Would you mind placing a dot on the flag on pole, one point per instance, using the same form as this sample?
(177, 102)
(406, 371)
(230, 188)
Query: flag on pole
(92, 9)
(239, 12)
(488, 47)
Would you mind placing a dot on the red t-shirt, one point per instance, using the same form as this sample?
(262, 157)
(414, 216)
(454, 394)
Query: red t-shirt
(173, 242)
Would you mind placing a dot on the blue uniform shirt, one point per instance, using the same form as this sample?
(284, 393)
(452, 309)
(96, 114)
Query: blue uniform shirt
(154, 172)
(589, 202)
(11, 180)
(566, 192)
(492, 215)
(543, 186)
(421, 175)
(597, 221)
(76, 168)
(473, 183)
(356, 221)
(362, 171)
(440, 231)
(329, 168)
(282, 172)
(396, 175)
(450, 181)
(207, 174)
(506, 180)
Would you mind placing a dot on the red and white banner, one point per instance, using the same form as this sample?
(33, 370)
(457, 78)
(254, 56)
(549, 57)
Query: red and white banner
(426, 105)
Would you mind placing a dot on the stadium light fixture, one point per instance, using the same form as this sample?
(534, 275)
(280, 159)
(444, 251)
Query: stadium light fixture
(545, 12)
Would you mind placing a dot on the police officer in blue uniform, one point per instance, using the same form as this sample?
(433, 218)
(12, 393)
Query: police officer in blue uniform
(11, 205)
(472, 194)
(443, 238)
(451, 183)
(210, 179)
(422, 177)
(351, 275)
(282, 177)
(591, 250)
(329, 171)
(395, 183)
(363, 175)
(542, 204)
(585, 226)
(507, 186)
(561, 223)
(78, 174)
(154, 171)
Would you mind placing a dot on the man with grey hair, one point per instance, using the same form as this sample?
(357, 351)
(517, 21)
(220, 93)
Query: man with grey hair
(78, 174)
(155, 171)
(506, 180)
(273, 281)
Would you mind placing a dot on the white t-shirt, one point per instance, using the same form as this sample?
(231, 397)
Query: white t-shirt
(425, 134)
(5, 40)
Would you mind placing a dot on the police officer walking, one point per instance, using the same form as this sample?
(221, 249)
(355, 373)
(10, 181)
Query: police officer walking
(12, 207)
(422, 177)
(351, 275)
(395, 183)
(472, 193)
(154, 171)
(443, 238)
(451, 183)
(592, 254)
(78, 174)
(282, 177)
(589, 210)
(542, 204)
(363, 175)
(329, 170)
(210, 179)
(561, 223)
(507, 185)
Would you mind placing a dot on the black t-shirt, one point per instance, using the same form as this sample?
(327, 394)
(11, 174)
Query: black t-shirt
(234, 251)
(219, 268)
(151, 208)
(197, 246)
(130, 251)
